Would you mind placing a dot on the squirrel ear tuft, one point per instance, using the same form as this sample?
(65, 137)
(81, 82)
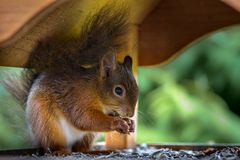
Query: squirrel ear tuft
(128, 62)
(108, 63)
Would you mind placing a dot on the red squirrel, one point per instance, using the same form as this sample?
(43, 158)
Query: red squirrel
(67, 102)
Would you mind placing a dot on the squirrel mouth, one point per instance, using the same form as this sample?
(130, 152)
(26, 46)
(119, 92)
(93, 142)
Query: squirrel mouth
(114, 114)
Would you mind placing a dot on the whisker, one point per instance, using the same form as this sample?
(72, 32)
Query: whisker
(144, 118)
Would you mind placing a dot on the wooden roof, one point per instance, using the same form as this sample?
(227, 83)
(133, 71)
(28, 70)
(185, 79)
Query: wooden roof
(165, 26)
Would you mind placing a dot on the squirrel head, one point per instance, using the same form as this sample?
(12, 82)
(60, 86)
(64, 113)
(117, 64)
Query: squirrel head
(117, 86)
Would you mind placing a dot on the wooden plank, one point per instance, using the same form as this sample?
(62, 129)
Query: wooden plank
(140, 9)
(14, 15)
(15, 51)
(233, 3)
(173, 25)
(101, 150)
(193, 146)
(159, 29)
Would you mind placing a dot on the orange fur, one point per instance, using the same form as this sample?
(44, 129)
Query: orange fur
(42, 117)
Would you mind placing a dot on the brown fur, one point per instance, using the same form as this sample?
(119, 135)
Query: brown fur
(59, 88)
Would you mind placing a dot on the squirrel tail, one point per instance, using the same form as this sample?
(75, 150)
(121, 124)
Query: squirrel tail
(19, 86)
(100, 33)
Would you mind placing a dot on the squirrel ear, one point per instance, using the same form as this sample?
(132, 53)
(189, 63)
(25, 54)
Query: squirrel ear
(108, 63)
(128, 62)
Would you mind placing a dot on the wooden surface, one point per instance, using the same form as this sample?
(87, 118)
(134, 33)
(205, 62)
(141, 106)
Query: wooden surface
(14, 14)
(173, 25)
(169, 28)
(101, 150)
(233, 3)
(15, 49)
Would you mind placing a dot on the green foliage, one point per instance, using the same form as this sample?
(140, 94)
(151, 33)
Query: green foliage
(192, 98)
(184, 113)
(214, 63)
(13, 128)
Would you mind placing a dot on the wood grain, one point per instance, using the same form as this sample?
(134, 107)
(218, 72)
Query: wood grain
(26, 27)
(233, 3)
(173, 25)
(14, 14)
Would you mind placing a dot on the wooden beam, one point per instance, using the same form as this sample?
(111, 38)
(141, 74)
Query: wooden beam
(140, 9)
(233, 3)
(15, 48)
(17, 18)
(23, 29)
(162, 34)
(14, 15)
(173, 25)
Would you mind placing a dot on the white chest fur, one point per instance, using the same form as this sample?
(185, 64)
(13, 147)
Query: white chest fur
(71, 133)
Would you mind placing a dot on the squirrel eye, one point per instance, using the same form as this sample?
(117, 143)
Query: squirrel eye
(118, 91)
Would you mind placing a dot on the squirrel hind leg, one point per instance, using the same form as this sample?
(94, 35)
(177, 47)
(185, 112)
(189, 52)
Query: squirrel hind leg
(61, 151)
(85, 144)
(43, 124)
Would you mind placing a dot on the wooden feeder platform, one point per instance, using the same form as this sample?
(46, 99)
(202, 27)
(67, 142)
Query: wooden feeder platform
(160, 29)
(150, 151)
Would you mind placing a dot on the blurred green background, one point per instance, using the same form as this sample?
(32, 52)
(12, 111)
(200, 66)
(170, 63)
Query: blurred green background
(194, 98)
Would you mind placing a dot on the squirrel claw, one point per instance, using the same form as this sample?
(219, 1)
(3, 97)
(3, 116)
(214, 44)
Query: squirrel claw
(130, 123)
(62, 152)
(121, 126)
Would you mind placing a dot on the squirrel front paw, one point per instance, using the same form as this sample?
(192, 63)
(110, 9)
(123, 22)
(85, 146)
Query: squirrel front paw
(123, 125)
(130, 124)
(120, 125)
